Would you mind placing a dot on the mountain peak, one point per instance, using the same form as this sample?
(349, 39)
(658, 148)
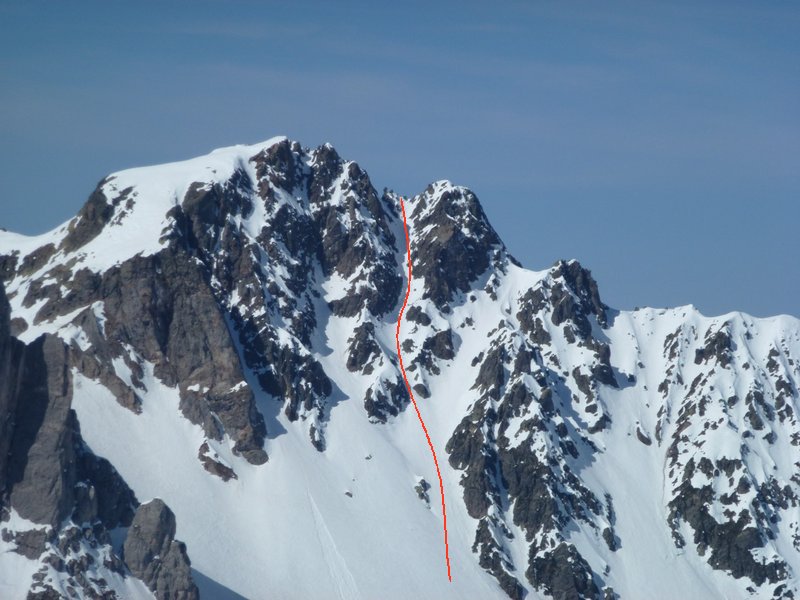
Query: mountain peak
(250, 148)
(582, 285)
(226, 328)
(453, 242)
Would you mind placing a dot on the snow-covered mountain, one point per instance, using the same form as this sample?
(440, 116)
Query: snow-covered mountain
(200, 390)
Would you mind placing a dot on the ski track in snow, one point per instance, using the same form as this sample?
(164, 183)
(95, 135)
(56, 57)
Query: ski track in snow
(337, 566)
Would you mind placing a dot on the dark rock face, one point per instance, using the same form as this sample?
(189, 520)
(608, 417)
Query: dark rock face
(522, 445)
(161, 305)
(459, 245)
(42, 462)
(181, 331)
(37, 259)
(730, 543)
(103, 494)
(364, 350)
(342, 235)
(49, 477)
(386, 398)
(30, 544)
(213, 465)
(435, 349)
(416, 315)
(209, 305)
(441, 345)
(342, 231)
(545, 492)
(496, 474)
(469, 451)
(8, 265)
(495, 561)
(581, 284)
(154, 556)
(422, 489)
(718, 345)
(91, 219)
(10, 352)
(564, 574)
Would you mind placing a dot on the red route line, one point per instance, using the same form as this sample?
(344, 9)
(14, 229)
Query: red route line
(411, 393)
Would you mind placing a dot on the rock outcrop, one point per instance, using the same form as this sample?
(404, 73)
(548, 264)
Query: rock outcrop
(51, 479)
(154, 556)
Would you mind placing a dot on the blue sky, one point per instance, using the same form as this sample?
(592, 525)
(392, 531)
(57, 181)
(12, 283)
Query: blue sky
(656, 142)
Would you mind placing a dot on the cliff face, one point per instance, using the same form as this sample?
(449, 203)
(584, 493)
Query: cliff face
(60, 501)
(221, 331)
(10, 352)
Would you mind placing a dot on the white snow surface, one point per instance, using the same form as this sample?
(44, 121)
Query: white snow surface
(154, 191)
(16, 570)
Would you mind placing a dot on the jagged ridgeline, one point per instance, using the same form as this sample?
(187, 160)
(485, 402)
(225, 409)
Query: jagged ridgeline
(206, 353)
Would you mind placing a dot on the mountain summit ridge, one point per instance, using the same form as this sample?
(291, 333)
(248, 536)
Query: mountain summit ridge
(225, 330)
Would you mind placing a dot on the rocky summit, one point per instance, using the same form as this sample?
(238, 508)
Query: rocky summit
(200, 396)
